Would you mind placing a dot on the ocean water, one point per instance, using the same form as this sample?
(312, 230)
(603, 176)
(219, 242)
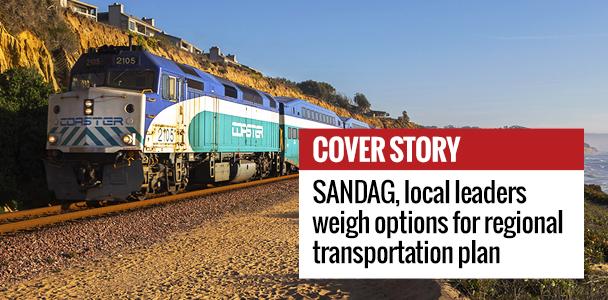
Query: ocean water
(596, 165)
(596, 170)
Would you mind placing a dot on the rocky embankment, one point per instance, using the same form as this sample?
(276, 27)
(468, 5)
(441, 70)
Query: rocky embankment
(24, 255)
(241, 245)
(589, 149)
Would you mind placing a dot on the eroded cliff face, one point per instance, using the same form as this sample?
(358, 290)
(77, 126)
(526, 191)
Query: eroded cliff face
(27, 50)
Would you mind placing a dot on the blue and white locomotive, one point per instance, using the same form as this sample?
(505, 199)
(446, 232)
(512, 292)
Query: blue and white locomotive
(134, 124)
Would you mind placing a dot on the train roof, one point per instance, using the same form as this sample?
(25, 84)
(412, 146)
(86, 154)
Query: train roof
(212, 84)
(348, 121)
(293, 102)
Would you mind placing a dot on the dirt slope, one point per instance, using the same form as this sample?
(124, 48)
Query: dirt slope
(26, 50)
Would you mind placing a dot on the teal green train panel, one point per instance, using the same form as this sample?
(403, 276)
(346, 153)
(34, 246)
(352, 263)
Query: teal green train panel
(209, 132)
(201, 132)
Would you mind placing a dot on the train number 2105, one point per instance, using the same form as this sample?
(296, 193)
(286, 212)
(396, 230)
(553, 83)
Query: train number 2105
(121, 60)
(166, 135)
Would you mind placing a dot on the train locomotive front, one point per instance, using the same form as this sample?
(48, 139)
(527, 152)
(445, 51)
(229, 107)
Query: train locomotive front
(134, 124)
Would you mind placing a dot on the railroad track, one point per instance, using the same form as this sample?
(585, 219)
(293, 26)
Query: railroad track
(28, 219)
(39, 212)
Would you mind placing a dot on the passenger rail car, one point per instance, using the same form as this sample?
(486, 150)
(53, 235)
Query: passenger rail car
(352, 123)
(133, 124)
(296, 114)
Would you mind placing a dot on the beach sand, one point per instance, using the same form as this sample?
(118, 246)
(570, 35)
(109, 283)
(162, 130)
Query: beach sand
(246, 255)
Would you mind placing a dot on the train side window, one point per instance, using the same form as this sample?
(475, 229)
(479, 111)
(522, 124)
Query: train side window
(293, 133)
(290, 133)
(169, 87)
(193, 84)
(180, 87)
(273, 103)
(230, 91)
(251, 95)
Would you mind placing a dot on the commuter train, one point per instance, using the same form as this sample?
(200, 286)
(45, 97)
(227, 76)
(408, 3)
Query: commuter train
(133, 125)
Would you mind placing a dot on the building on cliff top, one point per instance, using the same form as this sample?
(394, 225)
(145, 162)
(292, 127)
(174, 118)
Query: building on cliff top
(215, 55)
(182, 44)
(117, 17)
(81, 8)
(377, 114)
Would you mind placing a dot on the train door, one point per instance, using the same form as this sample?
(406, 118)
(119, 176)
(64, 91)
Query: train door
(215, 130)
(282, 137)
(255, 112)
(180, 130)
(163, 136)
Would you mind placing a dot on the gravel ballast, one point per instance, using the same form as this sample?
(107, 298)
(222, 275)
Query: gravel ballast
(24, 255)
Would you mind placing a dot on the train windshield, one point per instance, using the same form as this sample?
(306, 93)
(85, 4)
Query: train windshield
(131, 79)
(87, 80)
(126, 79)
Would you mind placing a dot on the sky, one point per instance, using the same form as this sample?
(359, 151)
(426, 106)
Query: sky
(478, 63)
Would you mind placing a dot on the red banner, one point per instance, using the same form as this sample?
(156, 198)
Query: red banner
(441, 149)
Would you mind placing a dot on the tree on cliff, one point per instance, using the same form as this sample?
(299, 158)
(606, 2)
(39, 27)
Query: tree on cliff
(23, 108)
(404, 117)
(317, 89)
(341, 100)
(362, 102)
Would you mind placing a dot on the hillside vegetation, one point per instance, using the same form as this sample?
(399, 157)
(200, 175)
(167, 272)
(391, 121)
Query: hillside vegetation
(40, 35)
(593, 286)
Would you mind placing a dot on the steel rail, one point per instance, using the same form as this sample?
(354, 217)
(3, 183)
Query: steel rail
(29, 213)
(92, 212)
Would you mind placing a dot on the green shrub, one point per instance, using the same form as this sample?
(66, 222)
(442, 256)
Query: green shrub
(23, 109)
(595, 194)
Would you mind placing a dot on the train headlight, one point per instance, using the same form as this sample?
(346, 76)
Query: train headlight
(127, 139)
(88, 107)
(52, 139)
